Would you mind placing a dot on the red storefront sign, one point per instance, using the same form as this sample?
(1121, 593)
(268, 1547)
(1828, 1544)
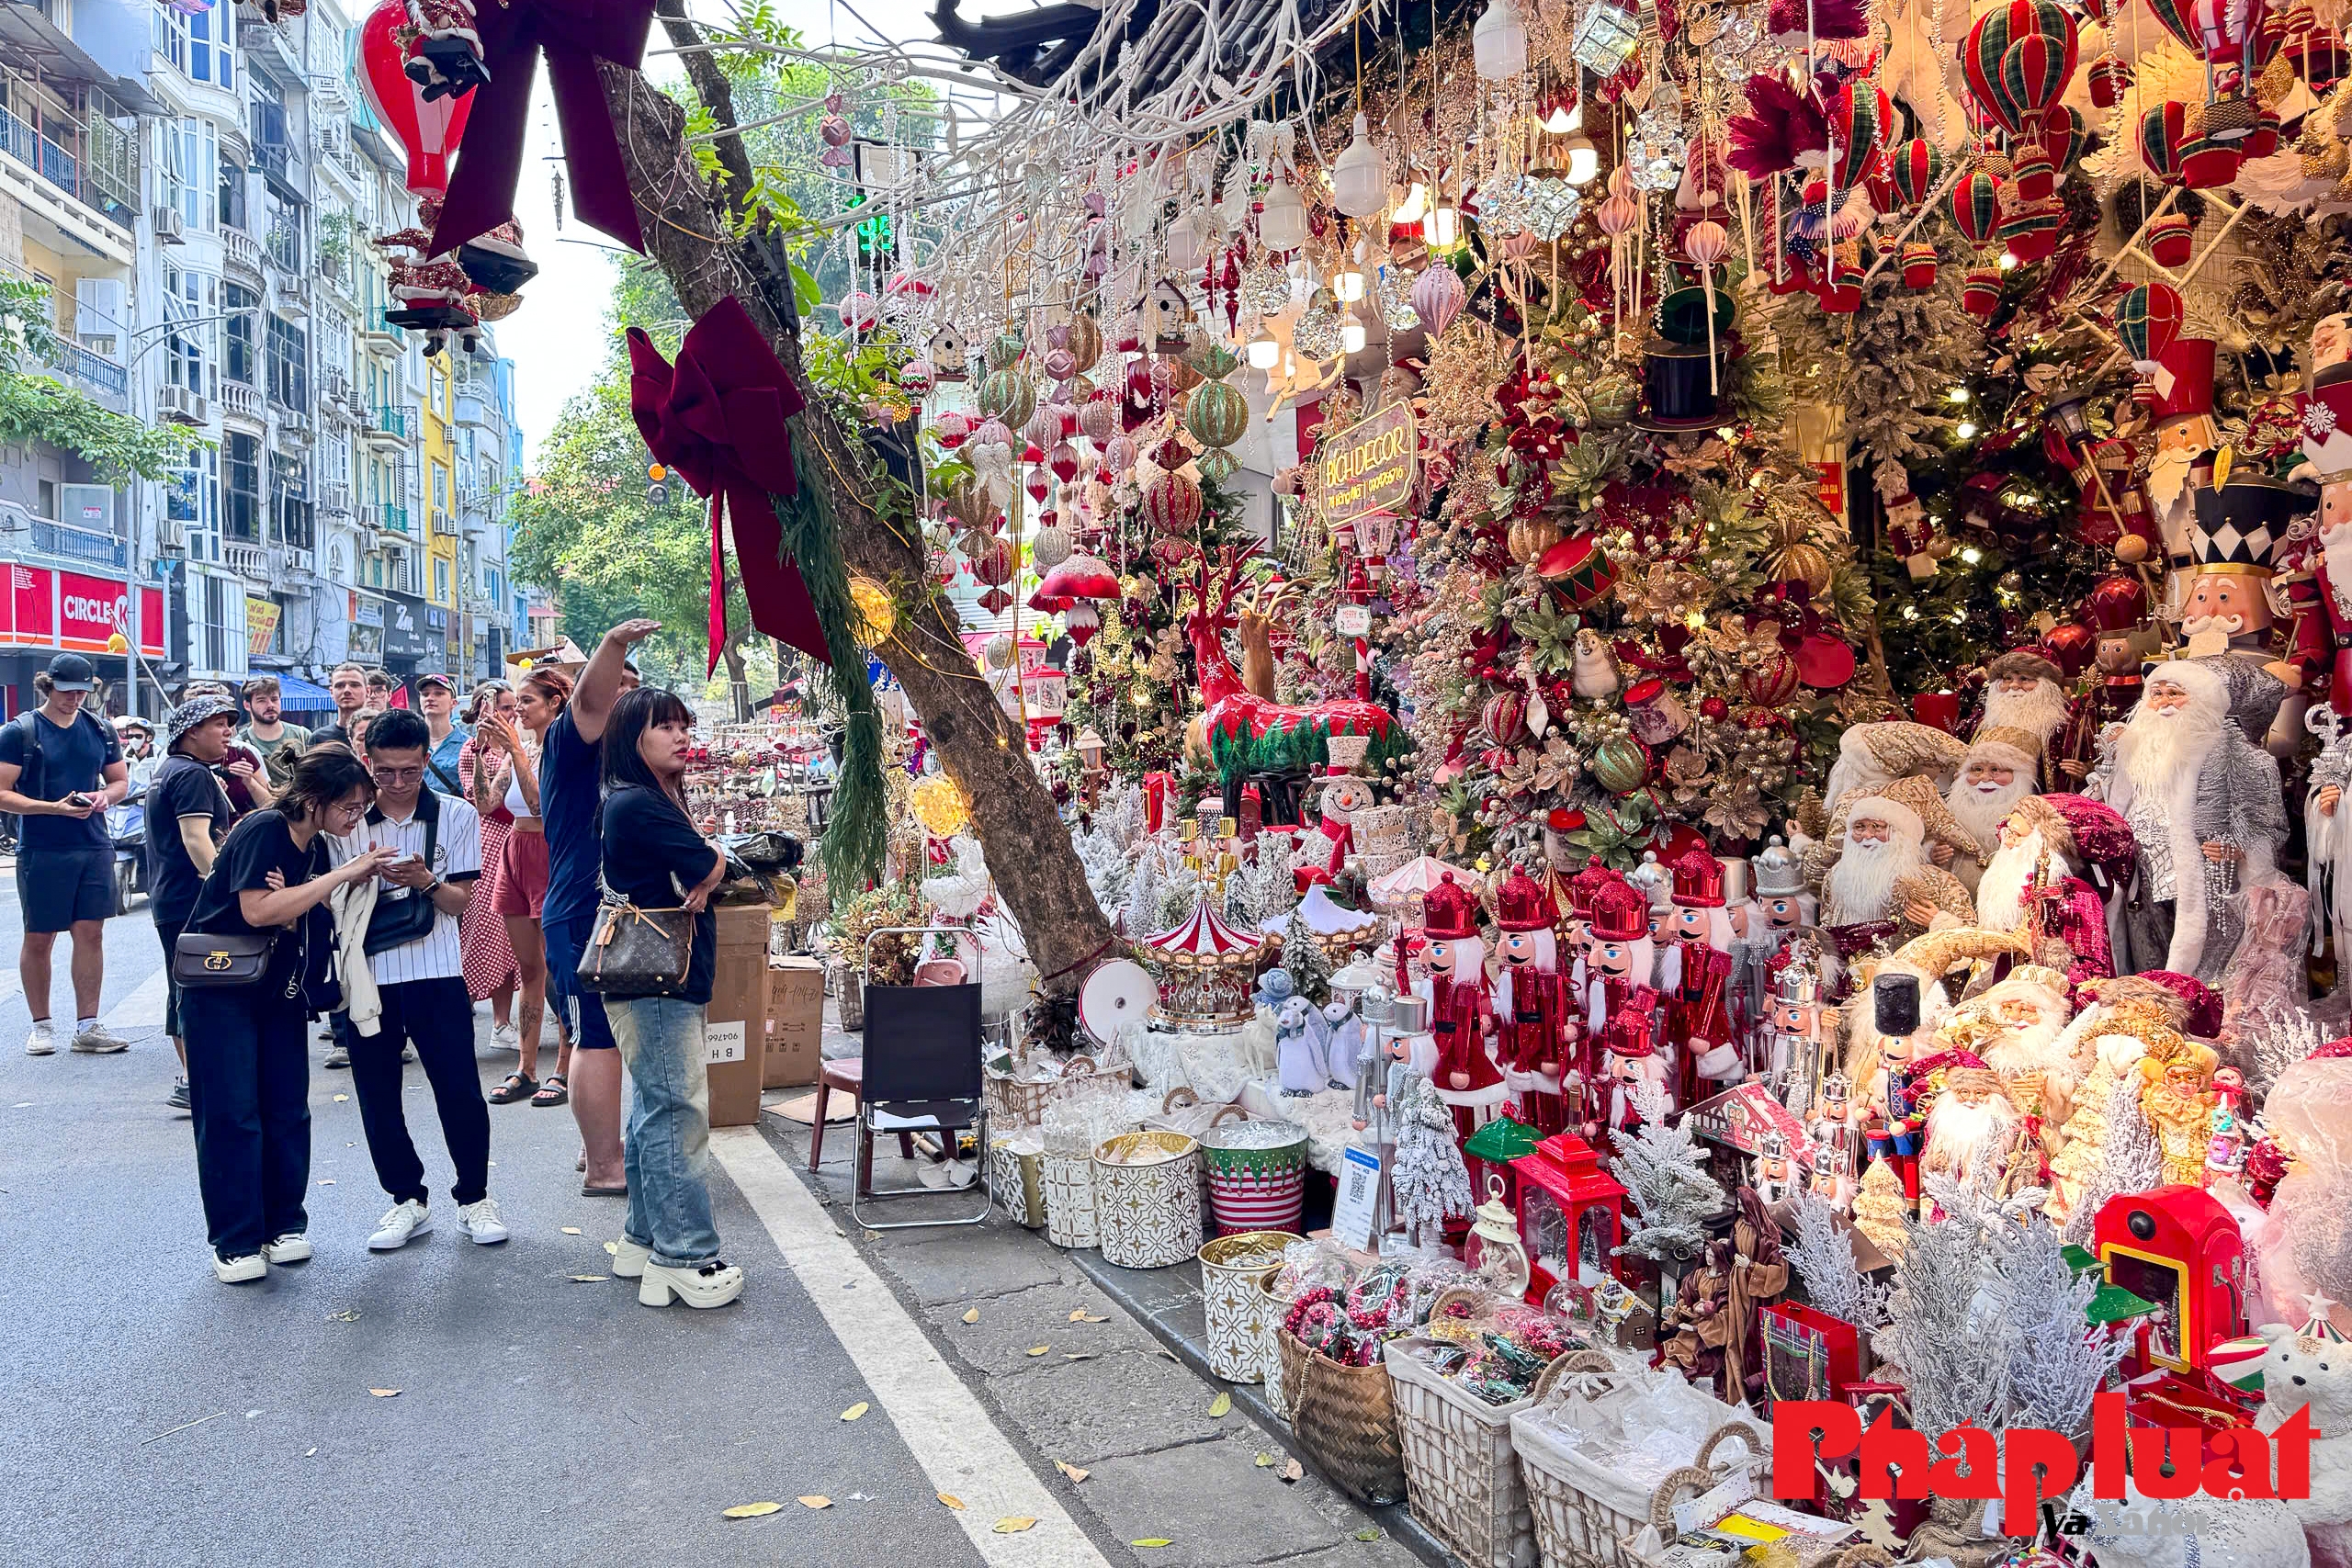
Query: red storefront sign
(70, 609)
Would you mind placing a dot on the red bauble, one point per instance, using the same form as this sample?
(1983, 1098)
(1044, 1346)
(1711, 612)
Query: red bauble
(1504, 719)
(1772, 681)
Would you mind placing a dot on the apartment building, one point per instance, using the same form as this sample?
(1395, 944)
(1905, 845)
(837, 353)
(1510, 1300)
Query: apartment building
(198, 187)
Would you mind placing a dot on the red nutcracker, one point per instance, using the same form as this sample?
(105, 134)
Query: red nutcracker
(1618, 957)
(1629, 1046)
(1462, 1016)
(2117, 613)
(1531, 1002)
(1698, 976)
(2322, 644)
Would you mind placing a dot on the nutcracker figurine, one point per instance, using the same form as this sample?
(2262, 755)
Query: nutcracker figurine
(1698, 974)
(1618, 954)
(1793, 1058)
(1630, 1052)
(1776, 909)
(1775, 1175)
(1895, 1116)
(1462, 1016)
(2322, 644)
(1531, 1002)
(2117, 614)
(2186, 437)
(1836, 1138)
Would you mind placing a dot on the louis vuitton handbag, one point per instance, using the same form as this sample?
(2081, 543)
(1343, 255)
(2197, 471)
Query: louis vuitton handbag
(635, 951)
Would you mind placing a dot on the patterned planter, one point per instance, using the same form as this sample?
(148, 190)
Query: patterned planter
(1230, 1269)
(1147, 1200)
(1271, 1309)
(1019, 1177)
(1069, 1200)
(1257, 1175)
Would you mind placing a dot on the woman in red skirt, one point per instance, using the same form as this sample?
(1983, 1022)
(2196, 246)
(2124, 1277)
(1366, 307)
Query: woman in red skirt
(523, 876)
(490, 957)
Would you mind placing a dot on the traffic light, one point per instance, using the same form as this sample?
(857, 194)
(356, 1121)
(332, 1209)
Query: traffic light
(657, 487)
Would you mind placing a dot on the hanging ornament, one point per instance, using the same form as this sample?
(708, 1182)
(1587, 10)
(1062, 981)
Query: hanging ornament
(1319, 334)
(1004, 350)
(1008, 395)
(1498, 41)
(1359, 175)
(1217, 414)
(2148, 318)
(1553, 204)
(1918, 265)
(1172, 503)
(429, 132)
(2170, 238)
(1050, 547)
(1438, 296)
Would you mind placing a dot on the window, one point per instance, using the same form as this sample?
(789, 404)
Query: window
(290, 501)
(440, 580)
(241, 487)
(192, 351)
(440, 488)
(193, 497)
(190, 43)
(243, 307)
(283, 233)
(290, 364)
(232, 201)
(215, 634)
(185, 170)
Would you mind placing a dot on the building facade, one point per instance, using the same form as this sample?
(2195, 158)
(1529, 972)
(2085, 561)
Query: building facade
(197, 188)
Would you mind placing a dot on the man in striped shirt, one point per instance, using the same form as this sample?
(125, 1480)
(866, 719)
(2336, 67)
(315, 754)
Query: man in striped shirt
(420, 981)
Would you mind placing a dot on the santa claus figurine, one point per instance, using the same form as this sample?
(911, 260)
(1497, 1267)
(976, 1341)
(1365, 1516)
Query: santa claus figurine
(2117, 614)
(1461, 1017)
(1697, 974)
(2026, 690)
(1882, 883)
(1629, 1051)
(1530, 1003)
(2017, 1027)
(2001, 769)
(2034, 884)
(1973, 1128)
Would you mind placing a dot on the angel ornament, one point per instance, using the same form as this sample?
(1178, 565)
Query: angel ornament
(2327, 829)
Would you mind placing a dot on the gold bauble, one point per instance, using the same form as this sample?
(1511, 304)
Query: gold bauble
(875, 616)
(938, 803)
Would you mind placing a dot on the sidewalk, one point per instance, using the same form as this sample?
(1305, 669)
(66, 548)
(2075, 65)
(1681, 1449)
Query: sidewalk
(1102, 1370)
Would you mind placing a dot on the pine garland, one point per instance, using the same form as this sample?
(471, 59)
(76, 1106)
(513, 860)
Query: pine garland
(858, 831)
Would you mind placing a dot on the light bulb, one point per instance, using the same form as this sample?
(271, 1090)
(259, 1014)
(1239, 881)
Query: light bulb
(1444, 225)
(1281, 218)
(1351, 335)
(1416, 203)
(1358, 174)
(1557, 122)
(1965, 431)
(1499, 43)
(1958, 394)
(1348, 287)
(1584, 160)
(1264, 350)
(2009, 263)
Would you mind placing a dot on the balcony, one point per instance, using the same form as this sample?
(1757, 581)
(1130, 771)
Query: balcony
(381, 336)
(392, 520)
(389, 426)
(62, 541)
(98, 164)
(103, 378)
(279, 164)
(242, 253)
(250, 560)
(241, 402)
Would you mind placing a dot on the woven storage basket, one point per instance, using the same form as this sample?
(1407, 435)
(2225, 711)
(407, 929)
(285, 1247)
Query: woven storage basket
(1069, 1200)
(1462, 1475)
(1230, 1269)
(1695, 1478)
(1584, 1512)
(1345, 1417)
(1147, 1200)
(1016, 1102)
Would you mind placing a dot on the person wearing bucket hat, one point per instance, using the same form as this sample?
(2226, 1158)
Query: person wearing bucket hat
(187, 816)
(61, 768)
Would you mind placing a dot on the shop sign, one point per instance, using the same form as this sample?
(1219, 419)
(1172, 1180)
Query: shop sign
(1369, 466)
(405, 630)
(261, 625)
(1353, 620)
(69, 609)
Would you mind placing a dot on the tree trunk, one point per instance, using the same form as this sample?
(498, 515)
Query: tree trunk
(738, 684)
(1037, 872)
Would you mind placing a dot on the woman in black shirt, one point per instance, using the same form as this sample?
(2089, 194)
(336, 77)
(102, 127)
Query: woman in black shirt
(654, 859)
(248, 1063)
(186, 813)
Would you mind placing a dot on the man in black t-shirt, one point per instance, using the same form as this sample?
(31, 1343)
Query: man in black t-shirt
(187, 815)
(60, 769)
(348, 687)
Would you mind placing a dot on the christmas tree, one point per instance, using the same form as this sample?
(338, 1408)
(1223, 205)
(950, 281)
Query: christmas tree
(1431, 1184)
(1880, 1208)
(2130, 1160)
(1665, 1173)
(1310, 972)
(1823, 1252)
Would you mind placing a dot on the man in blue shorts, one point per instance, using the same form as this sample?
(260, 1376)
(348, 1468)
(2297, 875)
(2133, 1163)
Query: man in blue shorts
(570, 766)
(60, 769)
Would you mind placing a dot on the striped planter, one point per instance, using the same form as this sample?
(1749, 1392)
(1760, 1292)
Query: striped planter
(1254, 1186)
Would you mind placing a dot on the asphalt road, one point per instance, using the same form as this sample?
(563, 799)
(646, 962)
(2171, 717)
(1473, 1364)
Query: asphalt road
(157, 1416)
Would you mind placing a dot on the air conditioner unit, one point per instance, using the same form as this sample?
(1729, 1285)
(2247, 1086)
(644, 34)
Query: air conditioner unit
(167, 226)
(181, 406)
(172, 534)
(86, 506)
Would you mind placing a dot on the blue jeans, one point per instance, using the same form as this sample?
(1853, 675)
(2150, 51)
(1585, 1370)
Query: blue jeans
(669, 1128)
(248, 1086)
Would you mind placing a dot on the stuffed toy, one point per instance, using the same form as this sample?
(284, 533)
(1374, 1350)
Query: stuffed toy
(2300, 1368)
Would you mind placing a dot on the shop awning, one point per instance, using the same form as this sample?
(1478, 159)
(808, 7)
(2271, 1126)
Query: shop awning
(297, 695)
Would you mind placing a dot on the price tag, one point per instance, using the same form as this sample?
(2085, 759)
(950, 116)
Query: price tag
(1694, 1513)
(1353, 620)
(1358, 1194)
(722, 1042)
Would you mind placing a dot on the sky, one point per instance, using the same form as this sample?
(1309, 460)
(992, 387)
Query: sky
(556, 339)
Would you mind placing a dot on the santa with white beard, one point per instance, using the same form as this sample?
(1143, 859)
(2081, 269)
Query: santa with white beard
(2205, 810)
(1871, 756)
(1999, 771)
(2018, 1027)
(2034, 884)
(2026, 690)
(1973, 1127)
(1884, 875)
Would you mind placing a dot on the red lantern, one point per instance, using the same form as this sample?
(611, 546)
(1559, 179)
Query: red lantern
(1918, 265)
(2035, 178)
(429, 132)
(2170, 240)
(1980, 295)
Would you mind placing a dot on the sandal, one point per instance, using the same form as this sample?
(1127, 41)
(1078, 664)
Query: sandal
(517, 1085)
(551, 1092)
(589, 1191)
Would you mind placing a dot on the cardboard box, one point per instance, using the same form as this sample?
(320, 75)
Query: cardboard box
(796, 1023)
(735, 1023)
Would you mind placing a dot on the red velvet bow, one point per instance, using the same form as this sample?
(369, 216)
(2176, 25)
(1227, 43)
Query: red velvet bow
(718, 417)
(575, 34)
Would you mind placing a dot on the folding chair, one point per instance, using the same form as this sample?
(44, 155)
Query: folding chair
(922, 1074)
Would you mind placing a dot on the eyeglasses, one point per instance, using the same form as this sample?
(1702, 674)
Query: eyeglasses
(398, 776)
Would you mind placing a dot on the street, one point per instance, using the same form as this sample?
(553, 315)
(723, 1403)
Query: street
(450, 1404)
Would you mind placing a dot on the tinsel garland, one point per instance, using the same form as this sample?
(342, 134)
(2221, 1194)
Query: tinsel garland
(857, 829)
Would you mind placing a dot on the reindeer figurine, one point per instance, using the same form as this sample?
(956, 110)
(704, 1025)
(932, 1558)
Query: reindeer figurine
(1249, 734)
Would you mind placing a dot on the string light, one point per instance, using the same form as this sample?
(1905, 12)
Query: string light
(1966, 430)
(1958, 394)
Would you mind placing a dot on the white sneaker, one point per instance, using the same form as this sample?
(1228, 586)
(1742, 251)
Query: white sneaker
(43, 1041)
(506, 1037)
(404, 1218)
(240, 1270)
(338, 1056)
(630, 1259)
(99, 1041)
(714, 1284)
(481, 1222)
(291, 1248)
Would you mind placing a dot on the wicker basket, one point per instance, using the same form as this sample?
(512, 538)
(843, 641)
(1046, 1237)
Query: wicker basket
(852, 996)
(1016, 1103)
(1696, 1478)
(1230, 1269)
(1345, 1417)
(1069, 1200)
(1583, 1513)
(1147, 1200)
(1464, 1475)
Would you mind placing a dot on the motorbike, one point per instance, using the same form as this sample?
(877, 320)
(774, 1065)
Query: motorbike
(127, 831)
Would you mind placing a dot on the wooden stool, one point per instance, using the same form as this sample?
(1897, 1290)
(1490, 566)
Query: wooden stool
(848, 1074)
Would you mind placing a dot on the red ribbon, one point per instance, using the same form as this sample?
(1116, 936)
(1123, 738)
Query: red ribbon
(575, 35)
(717, 416)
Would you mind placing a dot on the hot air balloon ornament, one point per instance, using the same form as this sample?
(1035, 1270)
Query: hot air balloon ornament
(1707, 243)
(2147, 319)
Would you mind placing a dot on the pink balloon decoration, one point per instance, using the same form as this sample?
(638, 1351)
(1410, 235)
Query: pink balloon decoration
(1438, 298)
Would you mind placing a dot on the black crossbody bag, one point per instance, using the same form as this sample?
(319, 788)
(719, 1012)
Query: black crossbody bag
(396, 922)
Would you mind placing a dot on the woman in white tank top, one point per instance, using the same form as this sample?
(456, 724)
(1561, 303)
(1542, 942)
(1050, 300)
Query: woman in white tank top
(514, 788)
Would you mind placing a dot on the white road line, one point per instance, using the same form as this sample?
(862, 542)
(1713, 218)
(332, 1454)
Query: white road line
(143, 1008)
(950, 1435)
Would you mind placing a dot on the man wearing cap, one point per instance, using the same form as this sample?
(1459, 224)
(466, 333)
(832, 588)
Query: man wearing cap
(2205, 811)
(187, 816)
(60, 769)
(2025, 691)
(436, 697)
(265, 732)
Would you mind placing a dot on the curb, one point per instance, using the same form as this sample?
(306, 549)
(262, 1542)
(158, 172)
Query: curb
(1396, 1519)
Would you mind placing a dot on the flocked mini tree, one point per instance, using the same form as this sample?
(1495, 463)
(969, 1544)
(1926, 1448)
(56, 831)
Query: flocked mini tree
(1665, 1173)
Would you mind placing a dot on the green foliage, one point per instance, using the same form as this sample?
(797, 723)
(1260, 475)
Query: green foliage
(43, 410)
